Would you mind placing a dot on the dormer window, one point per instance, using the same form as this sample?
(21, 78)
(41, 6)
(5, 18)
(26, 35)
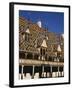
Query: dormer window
(27, 34)
(42, 51)
(26, 37)
(59, 48)
(44, 44)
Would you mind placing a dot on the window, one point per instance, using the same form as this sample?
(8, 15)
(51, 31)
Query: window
(27, 34)
(42, 51)
(26, 37)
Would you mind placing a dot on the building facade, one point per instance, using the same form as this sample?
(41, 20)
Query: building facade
(41, 52)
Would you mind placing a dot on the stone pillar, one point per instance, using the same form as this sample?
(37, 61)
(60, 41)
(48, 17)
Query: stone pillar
(60, 74)
(22, 72)
(58, 71)
(50, 71)
(43, 71)
(33, 72)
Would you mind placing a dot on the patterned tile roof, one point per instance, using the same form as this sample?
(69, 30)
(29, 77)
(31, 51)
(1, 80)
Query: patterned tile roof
(36, 37)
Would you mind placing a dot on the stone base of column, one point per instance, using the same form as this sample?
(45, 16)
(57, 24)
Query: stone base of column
(28, 76)
(59, 74)
(44, 75)
(54, 74)
(36, 76)
(21, 76)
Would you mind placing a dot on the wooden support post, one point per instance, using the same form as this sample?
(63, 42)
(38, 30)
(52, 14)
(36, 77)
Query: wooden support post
(43, 71)
(50, 71)
(33, 72)
(22, 72)
(58, 71)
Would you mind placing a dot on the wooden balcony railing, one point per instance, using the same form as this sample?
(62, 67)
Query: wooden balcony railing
(29, 62)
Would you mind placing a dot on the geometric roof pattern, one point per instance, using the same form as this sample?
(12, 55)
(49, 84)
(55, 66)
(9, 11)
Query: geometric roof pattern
(38, 38)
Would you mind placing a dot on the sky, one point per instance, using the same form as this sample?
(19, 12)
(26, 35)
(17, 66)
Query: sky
(53, 21)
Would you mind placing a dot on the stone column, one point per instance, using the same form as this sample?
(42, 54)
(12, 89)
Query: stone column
(58, 71)
(50, 71)
(22, 72)
(43, 71)
(33, 72)
(60, 74)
